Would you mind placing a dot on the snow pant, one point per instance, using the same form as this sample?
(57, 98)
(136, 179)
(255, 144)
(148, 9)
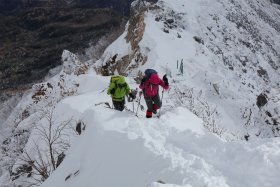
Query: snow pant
(119, 105)
(153, 103)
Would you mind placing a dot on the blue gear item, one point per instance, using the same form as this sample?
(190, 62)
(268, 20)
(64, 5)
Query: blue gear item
(149, 72)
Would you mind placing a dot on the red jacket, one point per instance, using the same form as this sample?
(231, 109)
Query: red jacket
(151, 86)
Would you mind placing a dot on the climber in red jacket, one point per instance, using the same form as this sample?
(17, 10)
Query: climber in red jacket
(150, 86)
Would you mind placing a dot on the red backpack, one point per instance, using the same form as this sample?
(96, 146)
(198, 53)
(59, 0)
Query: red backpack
(151, 85)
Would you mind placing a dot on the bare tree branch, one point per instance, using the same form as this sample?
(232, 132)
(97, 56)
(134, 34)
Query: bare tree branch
(54, 139)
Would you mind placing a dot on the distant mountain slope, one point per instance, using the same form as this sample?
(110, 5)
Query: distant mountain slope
(31, 43)
(276, 1)
(14, 6)
(38, 24)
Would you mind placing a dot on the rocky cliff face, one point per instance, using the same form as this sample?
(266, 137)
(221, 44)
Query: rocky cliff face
(136, 57)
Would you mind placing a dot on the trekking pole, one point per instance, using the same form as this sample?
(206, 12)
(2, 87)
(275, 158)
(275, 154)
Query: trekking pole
(133, 105)
(136, 90)
(161, 103)
(138, 104)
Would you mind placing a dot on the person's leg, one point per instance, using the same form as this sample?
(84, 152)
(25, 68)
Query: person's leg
(119, 105)
(149, 103)
(116, 105)
(157, 103)
(122, 105)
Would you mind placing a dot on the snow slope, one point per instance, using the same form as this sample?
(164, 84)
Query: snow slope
(120, 149)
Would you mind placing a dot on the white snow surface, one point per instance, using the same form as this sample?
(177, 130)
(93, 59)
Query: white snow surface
(120, 149)
(199, 139)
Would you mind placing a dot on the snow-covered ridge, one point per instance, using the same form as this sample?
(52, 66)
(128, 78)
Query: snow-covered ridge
(121, 149)
(228, 51)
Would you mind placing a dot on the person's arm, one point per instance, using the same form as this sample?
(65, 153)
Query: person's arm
(111, 89)
(130, 93)
(142, 84)
(164, 83)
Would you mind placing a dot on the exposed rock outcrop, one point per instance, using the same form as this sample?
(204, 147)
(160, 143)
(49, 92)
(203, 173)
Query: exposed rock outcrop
(134, 33)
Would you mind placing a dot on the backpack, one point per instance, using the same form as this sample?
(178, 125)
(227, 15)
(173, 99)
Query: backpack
(149, 72)
(119, 81)
(150, 89)
(118, 87)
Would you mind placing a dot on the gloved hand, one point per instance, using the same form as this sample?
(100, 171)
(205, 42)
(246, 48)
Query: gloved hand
(131, 95)
(112, 91)
(165, 80)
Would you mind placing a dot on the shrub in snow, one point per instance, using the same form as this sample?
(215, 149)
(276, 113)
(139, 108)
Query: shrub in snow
(186, 97)
(45, 149)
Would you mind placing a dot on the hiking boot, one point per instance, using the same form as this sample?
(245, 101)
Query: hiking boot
(155, 109)
(148, 114)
